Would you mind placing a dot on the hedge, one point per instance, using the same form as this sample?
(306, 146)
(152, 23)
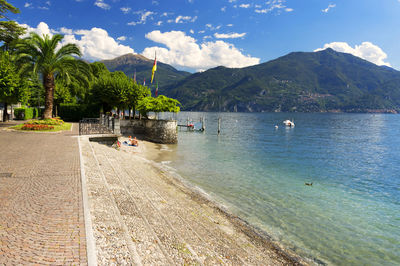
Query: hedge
(26, 113)
(74, 112)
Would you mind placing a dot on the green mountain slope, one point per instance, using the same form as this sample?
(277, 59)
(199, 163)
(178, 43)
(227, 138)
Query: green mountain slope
(307, 82)
(165, 74)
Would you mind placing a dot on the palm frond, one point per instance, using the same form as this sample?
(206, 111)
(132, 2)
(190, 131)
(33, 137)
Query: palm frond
(68, 50)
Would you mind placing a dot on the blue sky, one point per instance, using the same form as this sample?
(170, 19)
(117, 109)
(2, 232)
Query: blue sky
(196, 35)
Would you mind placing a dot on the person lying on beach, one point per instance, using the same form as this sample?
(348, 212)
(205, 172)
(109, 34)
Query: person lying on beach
(134, 142)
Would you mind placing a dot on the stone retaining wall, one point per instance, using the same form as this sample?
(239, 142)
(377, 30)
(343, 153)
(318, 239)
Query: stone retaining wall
(159, 131)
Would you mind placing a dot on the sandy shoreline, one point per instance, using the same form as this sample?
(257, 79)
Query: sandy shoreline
(142, 214)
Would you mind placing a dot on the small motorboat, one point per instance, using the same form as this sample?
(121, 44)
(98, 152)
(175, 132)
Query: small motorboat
(288, 123)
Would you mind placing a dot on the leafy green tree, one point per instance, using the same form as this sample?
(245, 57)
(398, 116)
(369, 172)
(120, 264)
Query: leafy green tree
(135, 94)
(36, 90)
(110, 90)
(10, 32)
(12, 88)
(72, 91)
(159, 104)
(116, 89)
(98, 70)
(7, 7)
(41, 56)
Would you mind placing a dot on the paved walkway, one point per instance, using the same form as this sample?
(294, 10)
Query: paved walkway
(41, 216)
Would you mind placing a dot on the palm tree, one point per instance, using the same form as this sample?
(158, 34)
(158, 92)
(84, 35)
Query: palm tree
(42, 56)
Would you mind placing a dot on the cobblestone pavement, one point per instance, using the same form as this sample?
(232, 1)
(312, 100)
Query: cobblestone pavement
(41, 216)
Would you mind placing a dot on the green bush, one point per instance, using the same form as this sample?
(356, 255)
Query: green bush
(74, 112)
(19, 113)
(37, 112)
(26, 113)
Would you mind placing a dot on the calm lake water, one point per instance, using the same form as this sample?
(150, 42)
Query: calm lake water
(351, 213)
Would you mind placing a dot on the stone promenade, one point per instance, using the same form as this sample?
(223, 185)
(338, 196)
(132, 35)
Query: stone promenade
(41, 215)
(141, 215)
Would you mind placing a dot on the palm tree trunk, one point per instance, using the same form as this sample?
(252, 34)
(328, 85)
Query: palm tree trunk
(48, 84)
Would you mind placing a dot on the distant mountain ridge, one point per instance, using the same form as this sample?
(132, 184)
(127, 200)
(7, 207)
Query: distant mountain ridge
(324, 81)
(165, 75)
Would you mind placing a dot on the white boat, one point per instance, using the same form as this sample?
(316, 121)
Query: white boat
(288, 123)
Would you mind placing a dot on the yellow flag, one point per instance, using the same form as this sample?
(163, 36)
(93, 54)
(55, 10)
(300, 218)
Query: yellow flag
(154, 69)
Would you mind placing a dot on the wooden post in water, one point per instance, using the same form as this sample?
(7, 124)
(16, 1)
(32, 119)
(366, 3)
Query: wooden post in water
(203, 126)
(219, 125)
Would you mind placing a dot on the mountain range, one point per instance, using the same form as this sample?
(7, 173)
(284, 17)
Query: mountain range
(324, 81)
(130, 63)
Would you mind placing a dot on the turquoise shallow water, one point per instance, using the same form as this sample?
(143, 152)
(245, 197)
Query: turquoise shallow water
(351, 214)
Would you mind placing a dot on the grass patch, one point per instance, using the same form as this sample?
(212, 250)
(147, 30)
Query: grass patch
(48, 125)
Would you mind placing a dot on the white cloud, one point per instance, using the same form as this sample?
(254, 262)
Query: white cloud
(183, 19)
(144, 15)
(121, 38)
(223, 9)
(261, 11)
(159, 23)
(102, 5)
(41, 29)
(229, 25)
(95, 44)
(244, 5)
(184, 51)
(326, 10)
(180, 19)
(28, 4)
(229, 35)
(272, 5)
(191, 31)
(211, 27)
(365, 50)
(64, 30)
(125, 10)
